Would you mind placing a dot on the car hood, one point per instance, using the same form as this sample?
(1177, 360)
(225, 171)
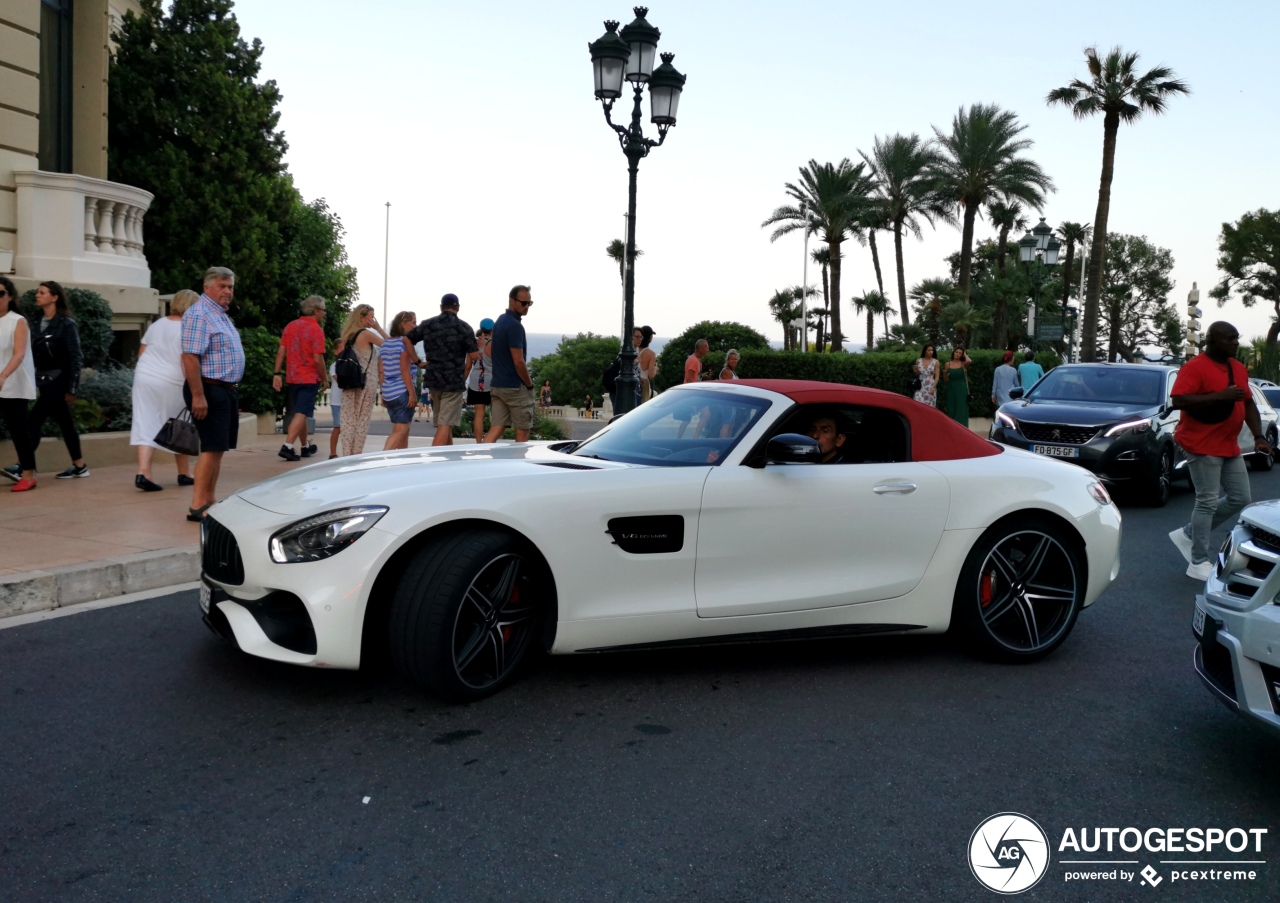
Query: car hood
(381, 477)
(1265, 515)
(1082, 413)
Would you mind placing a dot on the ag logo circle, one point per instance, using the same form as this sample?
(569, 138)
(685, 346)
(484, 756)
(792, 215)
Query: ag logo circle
(1009, 853)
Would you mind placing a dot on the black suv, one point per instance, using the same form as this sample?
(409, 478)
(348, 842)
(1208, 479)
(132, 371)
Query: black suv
(1113, 419)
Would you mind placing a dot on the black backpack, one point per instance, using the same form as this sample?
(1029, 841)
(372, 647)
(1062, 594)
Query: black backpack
(347, 372)
(610, 375)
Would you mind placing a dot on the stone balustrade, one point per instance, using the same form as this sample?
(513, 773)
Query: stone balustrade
(80, 230)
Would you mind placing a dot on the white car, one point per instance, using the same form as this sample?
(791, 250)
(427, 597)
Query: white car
(1237, 620)
(1270, 429)
(701, 517)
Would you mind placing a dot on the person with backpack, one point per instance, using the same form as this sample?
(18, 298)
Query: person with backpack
(356, 376)
(478, 375)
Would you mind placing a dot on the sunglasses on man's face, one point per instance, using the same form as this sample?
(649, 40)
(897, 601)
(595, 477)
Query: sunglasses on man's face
(524, 303)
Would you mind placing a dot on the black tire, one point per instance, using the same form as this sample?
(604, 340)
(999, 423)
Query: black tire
(1273, 439)
(1020, 590)
(466, 612)
(1159, 487)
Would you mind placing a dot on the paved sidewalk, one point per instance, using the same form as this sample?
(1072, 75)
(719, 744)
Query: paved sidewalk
(75, 541)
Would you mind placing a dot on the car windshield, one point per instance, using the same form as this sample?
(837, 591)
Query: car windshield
(1105, 385)
(678, 429)
(1272, 395)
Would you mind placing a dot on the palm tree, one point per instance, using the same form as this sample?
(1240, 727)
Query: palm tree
(822, 257)
(980, 161)
(800, 293)
(1005, 216)
(617, 251)
(830, 198)
(785, 310)
(902, 165)
(931, 296)
(1120, 94)
(873, 303)
(1072, 234)
(961, 318)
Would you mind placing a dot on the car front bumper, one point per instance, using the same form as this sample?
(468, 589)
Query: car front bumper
(1237, 656)
(1115, 460)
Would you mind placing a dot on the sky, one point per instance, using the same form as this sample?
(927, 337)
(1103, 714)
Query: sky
(477, 122)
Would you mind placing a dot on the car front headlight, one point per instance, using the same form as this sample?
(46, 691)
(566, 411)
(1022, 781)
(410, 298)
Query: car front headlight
(1006, 421)
(1137, 426)
(323, 535)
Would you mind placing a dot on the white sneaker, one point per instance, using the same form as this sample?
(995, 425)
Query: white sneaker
(1202, 571)
(1180, 539)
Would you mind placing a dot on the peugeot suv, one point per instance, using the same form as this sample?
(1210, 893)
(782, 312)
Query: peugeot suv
(1112, 419)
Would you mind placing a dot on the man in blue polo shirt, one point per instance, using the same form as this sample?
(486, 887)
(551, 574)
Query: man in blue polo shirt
(511, 389)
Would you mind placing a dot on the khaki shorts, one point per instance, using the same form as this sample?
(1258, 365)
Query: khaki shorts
(446, 407)
(513, 408)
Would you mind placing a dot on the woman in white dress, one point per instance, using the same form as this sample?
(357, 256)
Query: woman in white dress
(157, 390)
(17, 383)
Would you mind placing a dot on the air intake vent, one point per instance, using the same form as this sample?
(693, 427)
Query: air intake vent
(219, 553)
(566, 465)
(648, 535)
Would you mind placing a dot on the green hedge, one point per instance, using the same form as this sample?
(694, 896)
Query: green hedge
(889, 370)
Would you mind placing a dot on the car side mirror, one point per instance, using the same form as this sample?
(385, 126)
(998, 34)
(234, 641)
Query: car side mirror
(793, 448)
(1016, 393)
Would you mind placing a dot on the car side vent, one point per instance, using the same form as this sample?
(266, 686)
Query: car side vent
(650, 535)
(566, 465)
(1266, 539)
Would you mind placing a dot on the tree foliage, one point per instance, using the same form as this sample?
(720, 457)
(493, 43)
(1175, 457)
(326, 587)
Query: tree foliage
(576, 368)
(720, 336)
(1249, 257)
(1135, 309)
(190, 123)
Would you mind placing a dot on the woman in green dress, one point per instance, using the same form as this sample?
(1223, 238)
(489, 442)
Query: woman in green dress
(955, 378)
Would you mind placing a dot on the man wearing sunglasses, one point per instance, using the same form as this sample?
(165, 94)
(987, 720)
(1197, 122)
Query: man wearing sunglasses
(511, 387)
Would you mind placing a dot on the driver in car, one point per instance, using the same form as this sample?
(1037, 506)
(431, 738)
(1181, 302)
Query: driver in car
(830, 434)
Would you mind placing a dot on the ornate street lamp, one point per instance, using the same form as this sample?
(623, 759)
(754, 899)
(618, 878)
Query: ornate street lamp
(629, 55)
(1038, 250)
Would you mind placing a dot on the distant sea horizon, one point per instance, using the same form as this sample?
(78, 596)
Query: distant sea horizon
(543, 343)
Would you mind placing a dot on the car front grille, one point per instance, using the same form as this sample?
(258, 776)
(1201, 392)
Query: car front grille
(1057, 432)
(220, 553)
(1266, 539)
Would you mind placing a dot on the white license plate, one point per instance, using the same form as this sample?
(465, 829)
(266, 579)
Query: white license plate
(206, 597)
(1056, 451)
(1197, 621)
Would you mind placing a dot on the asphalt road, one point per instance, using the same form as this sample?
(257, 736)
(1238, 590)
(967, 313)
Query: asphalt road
(144, 759)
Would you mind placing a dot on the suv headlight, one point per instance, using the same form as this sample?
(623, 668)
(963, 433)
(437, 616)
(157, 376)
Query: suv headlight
(1138, 426)
(1006, 421)
(323, 535)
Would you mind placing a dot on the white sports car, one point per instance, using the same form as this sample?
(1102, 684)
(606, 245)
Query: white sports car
(707, 515)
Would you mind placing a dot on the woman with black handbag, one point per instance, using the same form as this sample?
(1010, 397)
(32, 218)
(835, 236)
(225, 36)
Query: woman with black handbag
(55, 347)
(361, 335)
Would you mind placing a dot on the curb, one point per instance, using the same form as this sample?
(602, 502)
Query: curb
(75, 584)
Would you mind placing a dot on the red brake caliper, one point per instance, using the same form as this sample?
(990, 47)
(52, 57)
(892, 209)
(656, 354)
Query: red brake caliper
(506, 628)
(984, 588)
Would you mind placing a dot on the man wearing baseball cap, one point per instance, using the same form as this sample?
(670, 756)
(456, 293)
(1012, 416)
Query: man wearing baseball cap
(448, 344)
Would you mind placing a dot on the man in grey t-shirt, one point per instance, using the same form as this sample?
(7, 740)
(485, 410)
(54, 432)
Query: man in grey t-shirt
(1004, 380)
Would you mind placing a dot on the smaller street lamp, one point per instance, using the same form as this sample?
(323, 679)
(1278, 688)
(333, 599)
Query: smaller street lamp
(1038, 250)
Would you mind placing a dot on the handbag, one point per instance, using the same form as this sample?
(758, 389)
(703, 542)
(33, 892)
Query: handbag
(915, 383)
(179, 435)
(1217, 411)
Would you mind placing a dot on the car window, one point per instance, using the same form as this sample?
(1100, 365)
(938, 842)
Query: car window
(678, 429)
(1272, 395)
(1115, 385)
(872, 435)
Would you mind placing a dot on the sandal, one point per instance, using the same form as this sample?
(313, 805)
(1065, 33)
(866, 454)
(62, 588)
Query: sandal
(195, 515)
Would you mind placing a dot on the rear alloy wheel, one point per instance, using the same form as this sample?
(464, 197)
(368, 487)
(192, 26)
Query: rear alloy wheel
(1159, 487)
(1020, 590)
(465, 613)
(1265, 462)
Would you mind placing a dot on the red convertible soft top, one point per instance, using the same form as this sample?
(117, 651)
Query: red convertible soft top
(934, 435)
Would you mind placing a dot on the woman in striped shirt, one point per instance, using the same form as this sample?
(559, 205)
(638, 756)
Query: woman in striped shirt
(398, 374)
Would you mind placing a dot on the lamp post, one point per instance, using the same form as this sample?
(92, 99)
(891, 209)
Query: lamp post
(1038, 250)
(628, 56)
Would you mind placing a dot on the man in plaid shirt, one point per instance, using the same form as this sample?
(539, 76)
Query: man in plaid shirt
(213, 364)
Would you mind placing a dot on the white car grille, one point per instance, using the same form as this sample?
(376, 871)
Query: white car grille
(1245, 574)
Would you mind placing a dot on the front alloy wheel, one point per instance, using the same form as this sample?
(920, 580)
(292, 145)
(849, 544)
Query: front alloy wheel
(466, 612)
(1020, 591)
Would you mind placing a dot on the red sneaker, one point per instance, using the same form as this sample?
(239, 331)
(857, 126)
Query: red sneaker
(23, 485)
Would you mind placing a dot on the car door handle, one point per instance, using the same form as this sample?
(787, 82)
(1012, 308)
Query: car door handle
(903, 487)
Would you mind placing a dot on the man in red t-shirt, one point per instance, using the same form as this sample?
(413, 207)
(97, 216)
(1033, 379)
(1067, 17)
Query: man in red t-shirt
(1212, 391)
(302, 345)
(693, 363)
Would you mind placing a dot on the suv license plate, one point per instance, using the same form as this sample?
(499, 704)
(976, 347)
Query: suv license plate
(1197, 621)
(1056, 451)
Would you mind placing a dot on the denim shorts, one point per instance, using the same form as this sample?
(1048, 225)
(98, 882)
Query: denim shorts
(398, 409)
